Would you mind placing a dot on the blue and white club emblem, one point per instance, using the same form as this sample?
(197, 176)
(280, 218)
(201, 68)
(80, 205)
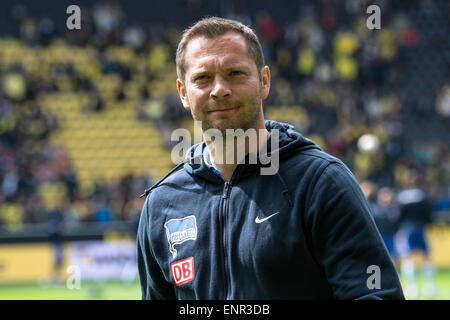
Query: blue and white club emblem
(179, 231)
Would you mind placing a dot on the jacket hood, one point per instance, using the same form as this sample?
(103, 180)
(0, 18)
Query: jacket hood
(290, 140)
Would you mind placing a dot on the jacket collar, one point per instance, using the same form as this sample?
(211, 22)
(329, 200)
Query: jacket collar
(290, 141)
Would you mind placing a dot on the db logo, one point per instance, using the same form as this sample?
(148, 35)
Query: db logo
(183, 270)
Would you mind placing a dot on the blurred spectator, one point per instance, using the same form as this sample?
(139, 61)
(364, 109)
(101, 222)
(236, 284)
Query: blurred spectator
(378, 99)
(55, 218)
(11, 215)
(10, 183)
(102, 211)
(416, 214)
(387, 215)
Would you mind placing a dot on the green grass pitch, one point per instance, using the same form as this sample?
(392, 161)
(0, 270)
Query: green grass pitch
(87, 291)
(132, 291)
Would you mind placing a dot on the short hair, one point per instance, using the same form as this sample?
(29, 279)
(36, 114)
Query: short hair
(214, 27)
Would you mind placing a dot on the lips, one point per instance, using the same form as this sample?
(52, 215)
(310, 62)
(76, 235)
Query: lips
(224, 109)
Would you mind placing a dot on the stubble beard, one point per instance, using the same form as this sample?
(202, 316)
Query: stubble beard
(249, 114)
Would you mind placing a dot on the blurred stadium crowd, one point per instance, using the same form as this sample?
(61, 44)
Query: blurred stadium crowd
(377, 99)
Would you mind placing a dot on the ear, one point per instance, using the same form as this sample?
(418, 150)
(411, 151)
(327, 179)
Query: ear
(182, 92)
(265, 79)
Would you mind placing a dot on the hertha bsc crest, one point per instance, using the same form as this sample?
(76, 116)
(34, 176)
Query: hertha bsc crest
(179, 231)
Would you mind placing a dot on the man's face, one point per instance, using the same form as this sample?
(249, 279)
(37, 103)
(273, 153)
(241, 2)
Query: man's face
(222, 86)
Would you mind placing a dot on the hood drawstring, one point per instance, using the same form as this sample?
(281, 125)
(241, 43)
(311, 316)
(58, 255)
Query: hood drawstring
(285, 192)
(147, 191)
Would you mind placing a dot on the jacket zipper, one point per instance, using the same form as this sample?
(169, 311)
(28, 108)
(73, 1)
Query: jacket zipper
(225, 196)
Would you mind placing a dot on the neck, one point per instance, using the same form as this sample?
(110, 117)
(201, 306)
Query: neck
(227, 152)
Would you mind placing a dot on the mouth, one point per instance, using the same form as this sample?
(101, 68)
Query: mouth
(223, 110)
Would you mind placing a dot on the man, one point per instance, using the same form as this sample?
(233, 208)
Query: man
(416, 212)
(385, 213)
(386, 216)
(213, 229)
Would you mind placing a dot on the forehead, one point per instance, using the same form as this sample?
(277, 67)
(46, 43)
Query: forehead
(230, 47)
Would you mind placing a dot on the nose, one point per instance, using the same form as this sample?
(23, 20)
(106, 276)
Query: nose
(220, 88)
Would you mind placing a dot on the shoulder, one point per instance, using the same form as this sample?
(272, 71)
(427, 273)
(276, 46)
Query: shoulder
(320, 178)
(323, 159)
(167, 185)
(315, 164)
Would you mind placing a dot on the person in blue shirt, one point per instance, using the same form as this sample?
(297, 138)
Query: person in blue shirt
(416, 212)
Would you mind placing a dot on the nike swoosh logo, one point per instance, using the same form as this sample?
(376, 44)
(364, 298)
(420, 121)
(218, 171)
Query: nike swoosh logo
(258, 220)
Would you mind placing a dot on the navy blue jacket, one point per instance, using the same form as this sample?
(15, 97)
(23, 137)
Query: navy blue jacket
(303, 233)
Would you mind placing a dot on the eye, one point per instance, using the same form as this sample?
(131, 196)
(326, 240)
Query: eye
(236, 73)
(201, 77)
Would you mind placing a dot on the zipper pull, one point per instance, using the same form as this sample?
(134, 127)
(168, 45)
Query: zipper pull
(226, 190)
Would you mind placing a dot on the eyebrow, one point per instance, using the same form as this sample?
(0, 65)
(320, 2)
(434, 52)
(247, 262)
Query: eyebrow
(202, 69)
